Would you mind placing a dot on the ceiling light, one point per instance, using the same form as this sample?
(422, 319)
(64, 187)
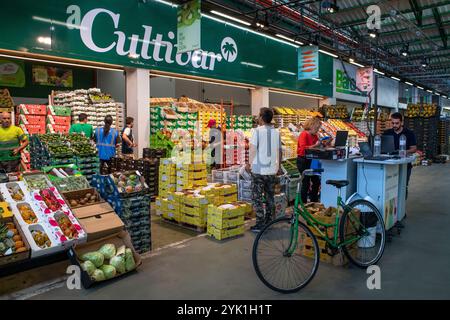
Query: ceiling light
(425, 63)
(429, 91)
(395, 78)
(356, 63)
(351, 60)
(419, 87)
(287, 72)
(408, 83)
(330, 7)
(328, 53)
(45, 40)
(316, 79)
(436, 93)
(230, 17)
(288, 39)
(254, 65)
(372, 34)
(378, 71)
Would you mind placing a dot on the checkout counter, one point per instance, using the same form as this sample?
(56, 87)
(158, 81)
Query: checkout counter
(381, 182)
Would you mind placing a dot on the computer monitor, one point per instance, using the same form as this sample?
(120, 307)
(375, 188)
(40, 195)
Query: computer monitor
(365, 150)
(387, 144)
(341, 139)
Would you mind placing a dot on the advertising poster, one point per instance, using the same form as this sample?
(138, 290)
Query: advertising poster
(52, 76)
(364, 79)
(308, 62)
(188, 26)
(12, 73)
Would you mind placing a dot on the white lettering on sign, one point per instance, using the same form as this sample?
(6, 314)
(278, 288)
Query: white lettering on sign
(163, 50)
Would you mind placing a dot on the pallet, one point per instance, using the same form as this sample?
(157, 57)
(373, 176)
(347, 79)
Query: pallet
(224, 240)
(184, 225)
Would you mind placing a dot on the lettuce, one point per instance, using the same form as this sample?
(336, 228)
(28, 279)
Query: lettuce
(88, 266)
(129, 260)
(108, 270)
(118, 262)
(108, 250)
(95, 257)
(98, 275)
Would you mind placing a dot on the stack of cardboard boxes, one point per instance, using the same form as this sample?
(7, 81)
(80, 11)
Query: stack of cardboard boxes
(32, 118)
(58, 119)
(190, 176)
(227, 220)
(167, 177)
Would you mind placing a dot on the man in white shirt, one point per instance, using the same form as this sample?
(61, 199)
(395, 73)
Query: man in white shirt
(265, 163)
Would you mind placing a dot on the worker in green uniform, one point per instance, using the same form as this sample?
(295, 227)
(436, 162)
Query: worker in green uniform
(82, 127)
(12, 142)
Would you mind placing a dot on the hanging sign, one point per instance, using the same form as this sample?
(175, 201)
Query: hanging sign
(52, 76)
(12, 73)
(308, 62)
(364, 79)
(189, 25)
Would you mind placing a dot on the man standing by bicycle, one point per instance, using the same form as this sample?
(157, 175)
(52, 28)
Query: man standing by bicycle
(264, 163)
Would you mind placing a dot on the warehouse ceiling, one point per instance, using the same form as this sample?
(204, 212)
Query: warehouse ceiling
(412, 41)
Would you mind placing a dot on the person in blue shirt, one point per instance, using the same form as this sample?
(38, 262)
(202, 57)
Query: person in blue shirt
(107, 140)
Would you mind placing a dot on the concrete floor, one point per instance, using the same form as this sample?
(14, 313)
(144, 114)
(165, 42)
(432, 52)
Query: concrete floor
(416, 265)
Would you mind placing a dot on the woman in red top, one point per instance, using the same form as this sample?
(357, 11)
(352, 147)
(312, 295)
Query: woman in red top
(308, 139)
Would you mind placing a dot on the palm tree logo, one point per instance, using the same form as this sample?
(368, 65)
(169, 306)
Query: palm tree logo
(229, 49)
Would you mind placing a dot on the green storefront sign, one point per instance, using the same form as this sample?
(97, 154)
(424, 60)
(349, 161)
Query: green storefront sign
(142, 34)
(345, 85)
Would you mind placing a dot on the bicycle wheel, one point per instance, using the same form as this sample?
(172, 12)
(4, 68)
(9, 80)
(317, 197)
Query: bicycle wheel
(275, 267)
(363, 227)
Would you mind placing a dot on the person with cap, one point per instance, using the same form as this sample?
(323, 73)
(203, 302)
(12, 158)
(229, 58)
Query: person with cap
(12, 142)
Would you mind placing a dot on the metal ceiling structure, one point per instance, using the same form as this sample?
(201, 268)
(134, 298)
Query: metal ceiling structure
(419, 28)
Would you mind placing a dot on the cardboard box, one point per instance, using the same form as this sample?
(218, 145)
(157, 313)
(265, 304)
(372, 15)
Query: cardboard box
(123, 238)
(220, 222)
(75, 195)
(14, 257)
(31, 119)
(195, 201)
(226, 210)
(197, 221)
(225, 233)
(59, 120)
(55, 128)
(230, 198)
(197, 211)
(33, 128)
(33, 109)
(99, 220)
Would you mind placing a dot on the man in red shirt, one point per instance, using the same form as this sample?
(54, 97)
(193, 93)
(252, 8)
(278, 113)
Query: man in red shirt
(308, 139)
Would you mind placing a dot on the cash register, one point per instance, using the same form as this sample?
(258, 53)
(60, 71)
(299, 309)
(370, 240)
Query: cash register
(330, 153)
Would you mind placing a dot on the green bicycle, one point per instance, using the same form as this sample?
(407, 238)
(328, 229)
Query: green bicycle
(286, 252)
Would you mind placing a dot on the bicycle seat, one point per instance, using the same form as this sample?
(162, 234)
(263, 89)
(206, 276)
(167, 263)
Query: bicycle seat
(338, 183)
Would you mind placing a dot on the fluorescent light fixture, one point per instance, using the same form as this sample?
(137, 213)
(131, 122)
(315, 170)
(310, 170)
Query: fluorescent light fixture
(287, 72)
(379, 72)
(436, 93)
(217, 13)
(356, 63)
(328, 53)
(167, 3)
(409, 83)
(254, 65)
(429, 91)
(45, 40)
(288, 39)
(316, 79)
(62, 63)
(395, 78)
(248, 30)
(294, 93)
(419, 87)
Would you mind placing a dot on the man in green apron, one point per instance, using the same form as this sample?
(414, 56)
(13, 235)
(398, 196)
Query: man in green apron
(12, 142)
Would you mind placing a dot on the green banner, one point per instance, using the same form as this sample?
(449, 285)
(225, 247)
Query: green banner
(189, 26)
(142, 34)
(12, 73)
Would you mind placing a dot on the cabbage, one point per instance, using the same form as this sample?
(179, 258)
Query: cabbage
(95, 257)
(108, 250)
(129, 260)
(108, 270)
(98, 275)
(88, 266)
(118, 262)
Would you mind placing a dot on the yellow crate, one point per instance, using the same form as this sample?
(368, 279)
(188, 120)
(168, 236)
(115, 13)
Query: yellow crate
(185, 174)
(246, 207)
(195, 201)
(173, 206)
(200, 174)
(226, 210)
(166, 162)
(171, 215)
(225, 233)
(194, 220)
(200, 182)
(175, 196)
(230, 198)
(200, 211)
(228, 189)
(221, 223)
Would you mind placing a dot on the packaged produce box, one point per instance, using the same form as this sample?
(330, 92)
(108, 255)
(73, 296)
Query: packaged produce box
(81, 198)
(198, 211)
(31, 119)
(10, 229)
(98, 220)
(55, 128)
(222, 234)
(33, 109)
(59, 111)
(42, 240)
(33, 128)
(13, 192)
(225, 223)
(119, 240)
(59, 120)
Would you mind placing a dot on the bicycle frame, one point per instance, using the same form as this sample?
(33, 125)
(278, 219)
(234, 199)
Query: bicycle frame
(314, 223)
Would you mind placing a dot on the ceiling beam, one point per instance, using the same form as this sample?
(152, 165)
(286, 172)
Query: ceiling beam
(417, 11)
(424, 18)
(423, 27)
(402, 43)
(442, 33)
(387, 15)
